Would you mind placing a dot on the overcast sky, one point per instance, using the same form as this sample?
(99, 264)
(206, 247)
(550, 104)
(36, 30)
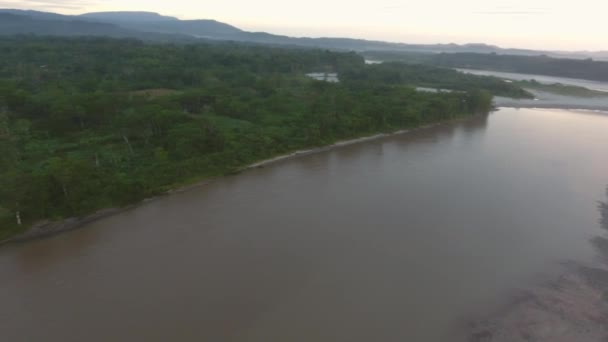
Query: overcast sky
(540, 24)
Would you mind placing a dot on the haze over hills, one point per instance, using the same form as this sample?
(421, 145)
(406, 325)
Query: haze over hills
(154, 26)
(154, 22)
(18, 24)
(141, 17)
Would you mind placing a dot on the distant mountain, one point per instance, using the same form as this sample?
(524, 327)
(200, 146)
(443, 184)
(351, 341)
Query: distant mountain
(121, 17)
(598, 55)
(154, 26)
(144, 22)
(11, 24)
(143, 25)
(36, 14)
(601, 55)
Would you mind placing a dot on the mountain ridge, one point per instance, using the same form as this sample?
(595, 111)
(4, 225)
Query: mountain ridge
(155, 26)
(127, 16)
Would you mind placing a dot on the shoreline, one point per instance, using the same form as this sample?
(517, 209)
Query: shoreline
(46, 228)
(338, 144)
(515, 105)
(547, 100)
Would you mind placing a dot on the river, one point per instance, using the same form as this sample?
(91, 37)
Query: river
(397, 239)
(593, 85)
(544, 99)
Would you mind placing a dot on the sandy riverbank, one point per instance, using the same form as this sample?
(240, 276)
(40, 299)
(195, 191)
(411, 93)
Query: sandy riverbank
(333, 146)
(571, 308)
(549, 100)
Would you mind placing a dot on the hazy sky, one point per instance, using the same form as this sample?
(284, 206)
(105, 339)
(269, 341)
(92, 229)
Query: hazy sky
(542, 24)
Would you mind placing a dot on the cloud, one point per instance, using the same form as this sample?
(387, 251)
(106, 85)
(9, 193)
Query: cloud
(47, 4)
(511, 10)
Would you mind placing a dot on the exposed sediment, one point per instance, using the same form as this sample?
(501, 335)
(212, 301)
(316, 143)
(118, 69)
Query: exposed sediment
(572, 308)
(549, 100)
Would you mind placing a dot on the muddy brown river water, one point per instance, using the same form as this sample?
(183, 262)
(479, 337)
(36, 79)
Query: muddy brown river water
(397, 239)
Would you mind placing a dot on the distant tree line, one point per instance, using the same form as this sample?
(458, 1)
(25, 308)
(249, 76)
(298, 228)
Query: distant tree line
(587, 69)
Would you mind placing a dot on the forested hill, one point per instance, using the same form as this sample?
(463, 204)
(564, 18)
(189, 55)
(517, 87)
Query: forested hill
(11, 24)
(93, 123)
(587, 69)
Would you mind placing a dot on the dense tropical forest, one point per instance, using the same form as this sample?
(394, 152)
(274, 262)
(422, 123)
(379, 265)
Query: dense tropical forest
(587, 69)
(89, 123)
